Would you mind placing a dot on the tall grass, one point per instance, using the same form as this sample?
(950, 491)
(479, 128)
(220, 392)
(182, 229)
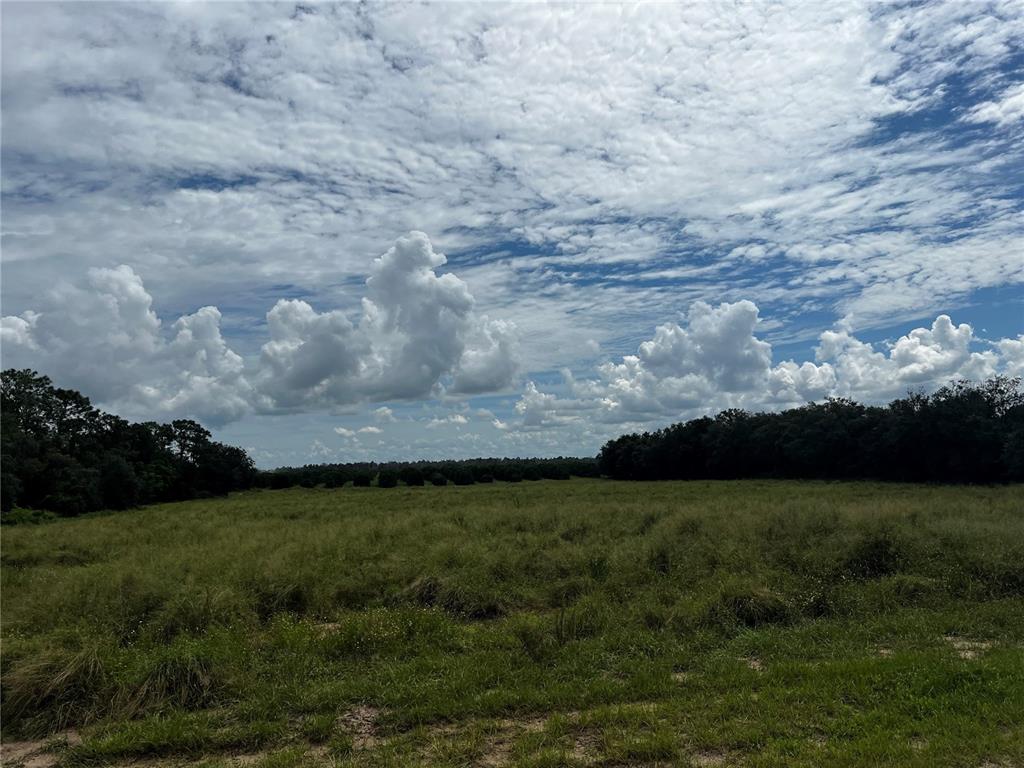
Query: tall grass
(264, 617)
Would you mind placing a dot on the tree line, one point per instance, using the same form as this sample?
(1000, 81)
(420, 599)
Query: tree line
(418, 473)
(61, 454)
(963, 433)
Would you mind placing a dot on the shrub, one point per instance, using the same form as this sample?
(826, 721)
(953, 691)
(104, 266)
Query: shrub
(412, 476)
(281, 480)
(436, 478)
(461, 475)
(362, 480)
(387, 478)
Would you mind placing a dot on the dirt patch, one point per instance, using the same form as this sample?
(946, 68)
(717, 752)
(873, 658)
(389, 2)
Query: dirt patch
(586, 748)
(248, 759)
(885, 652)
(35, 754)
(680, 677)
(968, 649)
(754, 664)
(498, 751)
(26, 754)
(361, 724)
(709, 758)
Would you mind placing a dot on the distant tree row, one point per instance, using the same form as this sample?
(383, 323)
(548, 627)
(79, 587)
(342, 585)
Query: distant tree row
(467, 472)
(63, 455)
(963, 433)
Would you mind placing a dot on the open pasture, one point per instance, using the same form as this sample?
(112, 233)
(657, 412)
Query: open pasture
(572, 623)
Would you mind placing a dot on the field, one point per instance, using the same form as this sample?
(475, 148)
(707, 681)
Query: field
(573, 623)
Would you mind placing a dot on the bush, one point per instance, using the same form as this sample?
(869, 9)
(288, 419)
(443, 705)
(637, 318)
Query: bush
(411, 476)
(362, 480)
(281, 480)
(436, 478)
(461, 475)
(387, 478)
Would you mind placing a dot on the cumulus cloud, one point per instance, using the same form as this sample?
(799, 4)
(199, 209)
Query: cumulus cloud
(416, 328)
(714, 360)
(384, 415)
(456, 419)
(417, 334)
(105, 339)
(490, 359)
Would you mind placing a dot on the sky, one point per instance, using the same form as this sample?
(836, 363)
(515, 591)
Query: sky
(399, 231)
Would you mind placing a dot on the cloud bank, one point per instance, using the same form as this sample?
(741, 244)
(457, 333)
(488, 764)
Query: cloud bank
(714, 360)
(417, 336)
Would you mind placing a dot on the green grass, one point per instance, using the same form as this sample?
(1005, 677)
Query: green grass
(539, 624)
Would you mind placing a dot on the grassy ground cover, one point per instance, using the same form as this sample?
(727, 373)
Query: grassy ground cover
(552, 623)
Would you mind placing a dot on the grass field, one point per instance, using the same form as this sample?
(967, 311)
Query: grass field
(538, 624)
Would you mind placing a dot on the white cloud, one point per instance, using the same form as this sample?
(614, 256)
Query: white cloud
(490, 360)
(384, 415)
(1012, 353)
(1008, 109)
(715, 361)
(416, 329)
(417, 332)
(370, 431)
(456, 419)
(344, 432)
(106, 339)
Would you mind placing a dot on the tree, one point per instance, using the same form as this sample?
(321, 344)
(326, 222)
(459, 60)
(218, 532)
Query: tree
(119, 486)
(62, 454)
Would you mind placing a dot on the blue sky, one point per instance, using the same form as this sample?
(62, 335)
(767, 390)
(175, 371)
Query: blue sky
(340, 232)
